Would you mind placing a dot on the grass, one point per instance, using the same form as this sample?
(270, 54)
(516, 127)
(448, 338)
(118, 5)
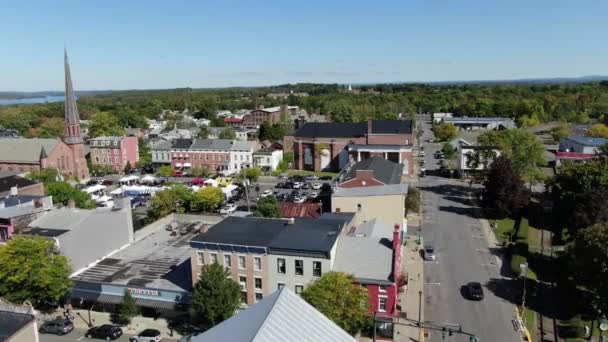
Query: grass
(307, 173)
(530, 319)
(504, 229)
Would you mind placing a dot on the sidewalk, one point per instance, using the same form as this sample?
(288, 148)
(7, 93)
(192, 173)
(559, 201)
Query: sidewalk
(411, 300)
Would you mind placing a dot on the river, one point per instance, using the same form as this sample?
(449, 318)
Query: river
(32, 100)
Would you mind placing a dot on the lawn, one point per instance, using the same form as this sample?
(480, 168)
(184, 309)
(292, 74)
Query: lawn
(506, 227)
(530, 320)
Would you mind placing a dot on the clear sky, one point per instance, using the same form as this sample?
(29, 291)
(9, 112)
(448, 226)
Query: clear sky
(126, 44)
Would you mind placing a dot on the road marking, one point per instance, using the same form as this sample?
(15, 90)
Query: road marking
(80, 338)
(432, 283)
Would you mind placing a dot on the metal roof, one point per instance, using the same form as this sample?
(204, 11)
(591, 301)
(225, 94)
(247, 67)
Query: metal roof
(385, 171)
(6, 183)
(25, 150)
(13, 322)
(380, 190)
(282, 316)
(587, 141)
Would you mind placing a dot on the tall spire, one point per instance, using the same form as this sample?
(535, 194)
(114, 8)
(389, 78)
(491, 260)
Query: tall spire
(72, 120)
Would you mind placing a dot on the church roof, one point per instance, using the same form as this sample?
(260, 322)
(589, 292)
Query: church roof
(71, 110)
(26, 151)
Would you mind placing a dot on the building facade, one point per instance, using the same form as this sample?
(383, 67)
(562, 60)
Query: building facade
(267, 159)
(114, 152)
(273, 114)
(217, 155)
(472, 124)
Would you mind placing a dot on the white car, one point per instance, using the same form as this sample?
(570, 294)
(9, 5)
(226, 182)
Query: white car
(299, 200)
(266, 193)
(313, 195)
(228, 209)
(148, 335)
(316, 186)
(297, 185)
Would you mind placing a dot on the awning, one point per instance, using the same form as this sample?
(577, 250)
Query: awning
(111, 299)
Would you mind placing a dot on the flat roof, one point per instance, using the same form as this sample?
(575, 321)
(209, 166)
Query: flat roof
(587, 141)
(13, 322)
(157, 261)
(379, 190)
(475, 119)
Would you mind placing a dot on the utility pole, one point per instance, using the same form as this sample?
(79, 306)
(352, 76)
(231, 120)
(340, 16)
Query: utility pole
(374, 334)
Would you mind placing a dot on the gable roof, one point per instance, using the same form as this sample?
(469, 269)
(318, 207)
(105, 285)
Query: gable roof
(282, 316)
(385, 171)
(25, 150)
(181, 144)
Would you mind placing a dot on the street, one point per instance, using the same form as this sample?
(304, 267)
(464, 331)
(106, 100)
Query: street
(78, 335)
(451, 225)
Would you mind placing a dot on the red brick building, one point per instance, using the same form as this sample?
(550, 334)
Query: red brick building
(114, 152)
(272, 114)
(330, 146)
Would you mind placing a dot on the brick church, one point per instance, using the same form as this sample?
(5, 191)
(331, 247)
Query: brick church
(65, 154)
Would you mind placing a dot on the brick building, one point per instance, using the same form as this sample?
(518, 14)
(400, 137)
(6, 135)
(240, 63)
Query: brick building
(330, 146)
(272, 114)
(114, 152)
(217, 155)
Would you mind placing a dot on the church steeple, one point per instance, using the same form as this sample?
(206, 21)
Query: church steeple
(72, 120)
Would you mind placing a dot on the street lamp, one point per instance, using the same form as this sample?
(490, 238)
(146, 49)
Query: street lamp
(523, 272)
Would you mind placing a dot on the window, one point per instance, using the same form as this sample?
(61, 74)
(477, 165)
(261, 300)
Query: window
(227, 261)
(316, 268)
(280, 285)
(243, 283)
(243, 297)
(382, 303)
(299, 289)
(257, 263)
(213, 258)
(281, 266)
(299, 267)
(258, 297)
(241, 261)
(258, 283)
(382, 288)
(200, 256)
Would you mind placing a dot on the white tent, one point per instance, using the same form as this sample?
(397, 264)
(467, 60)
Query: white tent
(118, 191)
(210, 182)
(103, 199)
(128, 179)
(228, 190)
(94, 188)
(149, 179)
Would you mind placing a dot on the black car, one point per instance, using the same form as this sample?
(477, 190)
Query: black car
(288, 185)
(59, 326)
(279, 185)
(104, 332)
(473, 291)
(305, 186)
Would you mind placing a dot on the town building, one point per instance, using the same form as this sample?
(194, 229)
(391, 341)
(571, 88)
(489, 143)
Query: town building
(273, 114)
(578, 149)
(331, 146)
(66, 154)
(217, 155)
(267, 159)
(135, 132)
(282, 316)
(18, 211)
(371, 252)
(161, 153)
(264, 255)
(114, 152)
(234, 122)
(471, 124)
(472, 159)
(18, 322)
(385, 201)
(373, 171)
(438, 117)
(85, 236)
(13, 184)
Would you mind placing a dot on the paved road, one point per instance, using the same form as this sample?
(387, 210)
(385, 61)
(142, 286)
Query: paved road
(450, 225)
(78, 335)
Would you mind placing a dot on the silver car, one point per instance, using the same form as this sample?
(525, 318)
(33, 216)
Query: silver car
(148, 335)
(429, 253)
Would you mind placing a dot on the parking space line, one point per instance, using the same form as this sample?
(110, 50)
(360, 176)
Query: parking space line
(432, 283)
(80, 338)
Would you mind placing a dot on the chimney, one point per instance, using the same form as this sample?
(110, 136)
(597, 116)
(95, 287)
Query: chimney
(396, 237)
(290, 221)
(71, 204)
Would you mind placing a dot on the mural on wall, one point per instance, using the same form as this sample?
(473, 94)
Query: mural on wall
(308, 156)
(325, 159)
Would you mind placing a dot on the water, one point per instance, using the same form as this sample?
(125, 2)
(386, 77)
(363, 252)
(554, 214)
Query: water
(33, 100)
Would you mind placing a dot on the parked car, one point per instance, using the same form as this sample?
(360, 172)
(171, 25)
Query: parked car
(316, 186)
(288, 185)
(299, 199)
(313, 195)
(266, 193)
(228, 209)
(297, 185)
(429, 253)
(298, 178)
(311, 177)
(104, 332)
(177, 174)
(59, 326)
(106, 182)
(305, 186)
(279, 185)
(148, 335)
(473, 291)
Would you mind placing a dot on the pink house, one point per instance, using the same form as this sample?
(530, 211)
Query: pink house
(114, 152)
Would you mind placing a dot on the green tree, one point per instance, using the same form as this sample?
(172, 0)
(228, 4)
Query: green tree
(227, 133)
(251, 173)
(412, 200)
(589, 255)
(445, 132)
(126, 310)
(32, 269)
(145, 155)
(216, 296)
(105, 124)
(504, 190)
(52, 128)
(203, 133)
(598, 131)
(128, 167)
(268, 207)
(337, 297)
(449, 153)
(200, 172)
(264, 131)
(164, 171)
(561, 131)
(63, 192)
(177, 198)
(209, 198)
(45, 176)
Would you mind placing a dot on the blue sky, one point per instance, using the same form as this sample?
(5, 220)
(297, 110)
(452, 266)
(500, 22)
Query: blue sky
(168, 44)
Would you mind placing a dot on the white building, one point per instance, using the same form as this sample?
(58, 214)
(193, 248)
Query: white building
(437, 117)
(466, 152)
(268, 159)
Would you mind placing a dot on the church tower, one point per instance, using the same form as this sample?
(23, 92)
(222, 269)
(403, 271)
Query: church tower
(72, 135)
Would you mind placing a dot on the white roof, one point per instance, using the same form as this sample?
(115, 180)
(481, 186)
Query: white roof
(94, 188)
(282, 316)
(128, 178)
(380, 190)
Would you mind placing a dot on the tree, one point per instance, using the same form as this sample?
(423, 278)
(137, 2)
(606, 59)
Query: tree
(128, 167)
(177, 198)
(445, 131)
(589, 256)
(200, 172)
(105, 124)
(203, 133)
(127, 309)
(63, 192)
(209, 198)
(268, 207)
(45, 176)
(251, 173)
(561, 131)
(504, 190)
(449, 153)
(264, 132)
(164, 171)
(227, 133)
(337, 297)
(32, 269)
(216, 296)
(412, 200)
(52, 128)
(598, 131)
(145, 155)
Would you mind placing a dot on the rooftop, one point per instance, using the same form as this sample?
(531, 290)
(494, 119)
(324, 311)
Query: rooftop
(221, 144)
(6, 183)
(391, 126)
(12, 321)
(291, 209)
(353, 129)
(382, 190)
(282, 316)
(587, 141)
(105, 138)
(475, 119)
(385, 171)
(308, 236)
(12, 201)
(182, 144)
(25, 150)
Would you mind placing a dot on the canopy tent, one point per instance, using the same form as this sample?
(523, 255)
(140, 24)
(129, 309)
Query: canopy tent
(139, 190)
(187, 165)
(128, 179)
(210, 182)
(149, 179)
(228, 190)
(104, 199)
(118, 191)
(94, 188)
